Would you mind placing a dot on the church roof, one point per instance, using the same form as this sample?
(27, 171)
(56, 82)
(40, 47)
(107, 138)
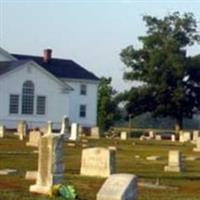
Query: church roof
(7, 66)
(59, 67)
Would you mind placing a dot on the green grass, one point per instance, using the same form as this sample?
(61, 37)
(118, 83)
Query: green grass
(15, 154)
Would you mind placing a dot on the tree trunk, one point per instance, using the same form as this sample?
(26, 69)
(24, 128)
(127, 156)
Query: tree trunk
(179, 124)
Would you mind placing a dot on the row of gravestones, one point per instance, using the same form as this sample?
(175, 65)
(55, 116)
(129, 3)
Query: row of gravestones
(95, 162)
(193, 137)
(75, 130)
(22, 129)
(184, 136)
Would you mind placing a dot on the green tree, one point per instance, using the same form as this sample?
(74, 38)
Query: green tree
(106, 105)
(171, 78)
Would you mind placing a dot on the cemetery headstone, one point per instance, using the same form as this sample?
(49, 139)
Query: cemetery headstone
(80, 130)
(2, 131)
(175, 162)
(173, 138)
(49, 127)
(34, 138)
(195, 135)
(21, 136)
(95, 133)
(98, 162)
(22, 129)
(151, 134)
(158, 137)
(50, 163)
(124, 135)
(119, 187)
(74, 132)
(65, 127)
(184, 136)
(197, 149)
(187, 136)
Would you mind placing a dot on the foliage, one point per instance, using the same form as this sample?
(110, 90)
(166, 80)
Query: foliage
(171, 78)
(106, 104)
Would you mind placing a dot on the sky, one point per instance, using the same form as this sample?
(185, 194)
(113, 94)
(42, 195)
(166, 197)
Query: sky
(90, 32)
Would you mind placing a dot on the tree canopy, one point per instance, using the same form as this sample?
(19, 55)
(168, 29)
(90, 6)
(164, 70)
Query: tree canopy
(170, 77)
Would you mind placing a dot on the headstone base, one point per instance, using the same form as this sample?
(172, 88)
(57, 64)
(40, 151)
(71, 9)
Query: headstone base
(172, 169)
(40, 189)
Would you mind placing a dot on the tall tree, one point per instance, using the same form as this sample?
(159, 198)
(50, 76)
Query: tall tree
(106, 105)
(171, 79)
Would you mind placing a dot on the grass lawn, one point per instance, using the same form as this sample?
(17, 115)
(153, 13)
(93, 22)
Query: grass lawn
(15, 154)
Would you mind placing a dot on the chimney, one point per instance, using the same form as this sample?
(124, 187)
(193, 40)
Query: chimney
(47, 55)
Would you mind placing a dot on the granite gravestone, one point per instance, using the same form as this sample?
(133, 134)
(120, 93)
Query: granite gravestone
(175, 162)
(119, 187)
(98, 162)
(95, 133)
(34, 138)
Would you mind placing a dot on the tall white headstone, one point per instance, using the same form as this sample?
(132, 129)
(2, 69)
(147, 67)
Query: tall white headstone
(74, 132)
(22, 129)
(65, 126)
(50, 163)
(2, 131)
(49, 127)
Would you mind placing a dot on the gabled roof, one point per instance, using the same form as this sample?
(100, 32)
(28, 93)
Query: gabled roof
(7, 66)
(8, 56)
(61, 68)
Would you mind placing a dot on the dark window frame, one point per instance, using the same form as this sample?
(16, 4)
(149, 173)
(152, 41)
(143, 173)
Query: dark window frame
(83, 111)
(28, 90)
(83, 89)
(41, 106)
(14, 106)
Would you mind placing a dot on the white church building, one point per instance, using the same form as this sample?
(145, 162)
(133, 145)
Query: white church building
(39, 89)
